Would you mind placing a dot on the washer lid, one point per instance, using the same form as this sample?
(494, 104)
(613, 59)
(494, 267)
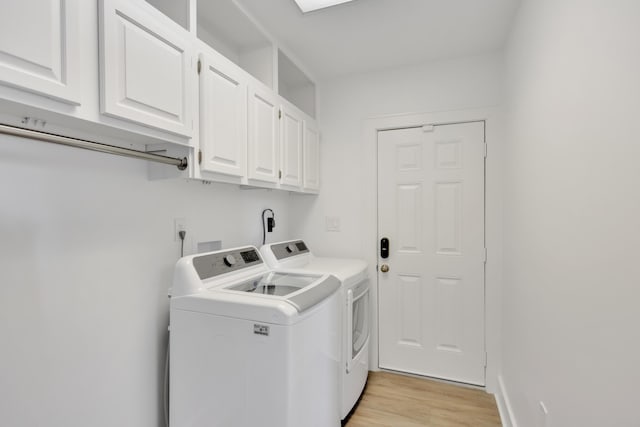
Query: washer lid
(271, 283)
(274, 297)
(303, 291)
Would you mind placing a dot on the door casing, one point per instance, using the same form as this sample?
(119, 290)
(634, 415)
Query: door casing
(494, 122)
(443, 198)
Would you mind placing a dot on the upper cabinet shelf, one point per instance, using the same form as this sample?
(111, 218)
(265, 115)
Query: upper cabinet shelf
(295, 86)
(226, 27)
(178, 10)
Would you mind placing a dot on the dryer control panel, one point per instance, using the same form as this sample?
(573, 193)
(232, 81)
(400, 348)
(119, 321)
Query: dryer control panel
(217, 263)
(289, 249)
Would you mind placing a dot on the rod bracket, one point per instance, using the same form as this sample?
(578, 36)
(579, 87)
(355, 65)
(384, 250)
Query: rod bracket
(183, 164)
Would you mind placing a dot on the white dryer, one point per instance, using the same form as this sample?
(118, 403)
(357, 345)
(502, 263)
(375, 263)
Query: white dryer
(295, 256)
(250, 346)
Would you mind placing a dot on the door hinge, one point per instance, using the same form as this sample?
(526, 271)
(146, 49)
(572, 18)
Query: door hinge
(279, 114)
(280, 174)
(485, 150)
(485, 359)
(199, 157)
(199, 66)
(428, 128)
(485, 256)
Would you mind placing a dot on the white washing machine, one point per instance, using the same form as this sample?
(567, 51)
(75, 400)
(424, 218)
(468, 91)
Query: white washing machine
(295, 256)
(250, 346)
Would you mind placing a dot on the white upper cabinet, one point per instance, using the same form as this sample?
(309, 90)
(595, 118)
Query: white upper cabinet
(264, 134)
(38, 48)
(147, 67)
(291, 148)
(196, 77)
(223, 116)
(311, 156)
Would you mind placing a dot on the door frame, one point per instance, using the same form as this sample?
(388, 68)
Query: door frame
(493, 118)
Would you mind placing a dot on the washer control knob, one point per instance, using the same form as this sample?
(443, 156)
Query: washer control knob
(229, 260)
(291, 248)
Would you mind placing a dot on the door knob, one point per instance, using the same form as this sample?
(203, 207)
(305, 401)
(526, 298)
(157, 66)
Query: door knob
(384, 268)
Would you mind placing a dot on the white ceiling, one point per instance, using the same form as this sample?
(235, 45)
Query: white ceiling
(367, 35)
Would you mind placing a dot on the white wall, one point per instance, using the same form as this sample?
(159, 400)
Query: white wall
(348, 162)
(86, 255)
(572, 207)
(343, 106)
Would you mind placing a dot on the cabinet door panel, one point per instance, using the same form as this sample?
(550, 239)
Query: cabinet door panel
(291, 148)
(264, 135)
(145, 68)
(223, 118)
(311, 155)
(38, 49)
(148, 61)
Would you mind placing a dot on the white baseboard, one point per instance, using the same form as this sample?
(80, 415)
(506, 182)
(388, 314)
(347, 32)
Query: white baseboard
(504, 405)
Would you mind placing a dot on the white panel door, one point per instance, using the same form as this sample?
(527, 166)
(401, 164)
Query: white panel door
(38, 48)
(223, 117)
(146, 67)
(311, 155)
(431, 208)
(291, 148)
(264, 134)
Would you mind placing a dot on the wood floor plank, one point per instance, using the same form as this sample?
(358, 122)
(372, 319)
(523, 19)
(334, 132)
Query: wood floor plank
(393, 400)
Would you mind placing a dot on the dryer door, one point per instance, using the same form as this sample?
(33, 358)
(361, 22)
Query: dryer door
(357, 323)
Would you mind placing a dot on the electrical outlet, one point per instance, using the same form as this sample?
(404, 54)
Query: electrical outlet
(179, 224)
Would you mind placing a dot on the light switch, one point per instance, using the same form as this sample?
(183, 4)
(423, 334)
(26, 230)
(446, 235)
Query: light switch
(332, 223)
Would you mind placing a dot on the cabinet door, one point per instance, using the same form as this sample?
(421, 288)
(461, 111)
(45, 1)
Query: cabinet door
(223, 116)
(38, 49)
(311, 155)
(145, 64)
(264, 134)
(291, 148)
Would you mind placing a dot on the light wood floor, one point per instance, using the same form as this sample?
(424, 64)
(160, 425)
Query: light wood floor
(393, 400)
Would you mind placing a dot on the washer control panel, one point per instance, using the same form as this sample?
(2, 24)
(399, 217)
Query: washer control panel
(217, 263)
(289, 249)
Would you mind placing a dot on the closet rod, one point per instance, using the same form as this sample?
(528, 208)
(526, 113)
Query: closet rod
(93, 146)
